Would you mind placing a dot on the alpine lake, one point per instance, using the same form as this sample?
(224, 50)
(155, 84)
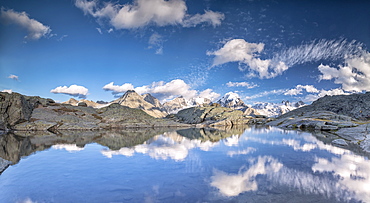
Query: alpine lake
(244, 164)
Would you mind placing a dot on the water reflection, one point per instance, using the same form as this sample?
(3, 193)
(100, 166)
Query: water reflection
(256, 164)
(245, 179)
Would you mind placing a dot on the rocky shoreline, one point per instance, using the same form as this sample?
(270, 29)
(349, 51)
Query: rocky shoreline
(344, 116)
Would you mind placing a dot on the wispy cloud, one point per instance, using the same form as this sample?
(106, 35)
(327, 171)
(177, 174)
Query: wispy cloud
(35, 29)
(241, 84)
(142, 13)
(156, 42)
(248, 55)
(163, 91)
(267, 93)
(319, 50)
(73, 90)
(13, 77)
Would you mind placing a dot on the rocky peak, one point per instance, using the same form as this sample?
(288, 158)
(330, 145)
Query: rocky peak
(175, 105)
(231, 100)
(71, 101)
(134, 100)
(149, 98)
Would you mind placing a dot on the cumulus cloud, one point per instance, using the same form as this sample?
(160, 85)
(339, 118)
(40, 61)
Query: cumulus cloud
(299, 88)
(35, 29)
(14, 77)
(162, 90)
(73, 90)
(322, 93)
(8, 91)
(142, 13)
(242, 84)
(248, 55)
(354, 75)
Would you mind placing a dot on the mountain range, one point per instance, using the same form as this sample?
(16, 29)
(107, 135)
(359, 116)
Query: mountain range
(155, 108)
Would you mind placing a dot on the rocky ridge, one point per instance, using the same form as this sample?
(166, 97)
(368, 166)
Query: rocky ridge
(23, 113)
(346, 116)
(134, 100)
(216, 116)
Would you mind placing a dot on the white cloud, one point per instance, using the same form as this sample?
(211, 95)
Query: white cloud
(163, 91)
(233, 184)
(209, 94)
(8, 91)
(156, 42)
(14, 77)
(353, 76)
(116, 89)
(142, 13)
(319, 50)
(242, 84)
(247, 55)
(299, 88)
(238, 50)
(241, 152)
(210, 17)
(170, 145)
(99, 30)
(322, 93)
(73, 90)
(68, 147)
(35, 29)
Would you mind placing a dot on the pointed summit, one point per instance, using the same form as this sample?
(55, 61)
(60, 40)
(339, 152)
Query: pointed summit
(231, 100)
(149, 98)
(134, 100)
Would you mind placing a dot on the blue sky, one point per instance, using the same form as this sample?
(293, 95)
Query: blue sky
(263, 50)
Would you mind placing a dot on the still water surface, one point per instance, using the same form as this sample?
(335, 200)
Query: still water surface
(194, 165)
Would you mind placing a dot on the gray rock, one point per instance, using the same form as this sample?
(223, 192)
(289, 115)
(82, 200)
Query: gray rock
(213, 116)
(329, 127)
(4, 164)
(340, 142)
(353, 106)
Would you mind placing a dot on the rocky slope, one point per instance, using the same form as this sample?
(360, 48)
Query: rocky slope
(19, 112)
(215, 116)
(134, 100)
(344, 115)
(83, 102)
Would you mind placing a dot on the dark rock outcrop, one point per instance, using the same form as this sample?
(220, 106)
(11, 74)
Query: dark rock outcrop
(16, 108)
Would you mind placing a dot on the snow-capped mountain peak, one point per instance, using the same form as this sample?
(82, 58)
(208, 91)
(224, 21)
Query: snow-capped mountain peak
(231, 100)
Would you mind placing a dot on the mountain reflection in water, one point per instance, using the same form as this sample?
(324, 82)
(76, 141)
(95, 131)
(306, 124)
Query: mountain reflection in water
(253, 164)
